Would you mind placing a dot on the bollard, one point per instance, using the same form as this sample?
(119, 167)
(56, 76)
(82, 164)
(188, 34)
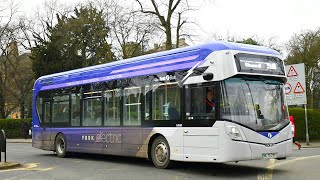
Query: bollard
(3, 145)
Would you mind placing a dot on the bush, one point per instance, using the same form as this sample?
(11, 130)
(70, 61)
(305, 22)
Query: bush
(313, 123)
(13, 127)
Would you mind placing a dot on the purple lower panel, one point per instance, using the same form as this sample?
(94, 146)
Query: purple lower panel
(125, 141)
(41, 138)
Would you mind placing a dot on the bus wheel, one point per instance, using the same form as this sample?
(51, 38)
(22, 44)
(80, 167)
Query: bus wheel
(160, 153)
(61, 146)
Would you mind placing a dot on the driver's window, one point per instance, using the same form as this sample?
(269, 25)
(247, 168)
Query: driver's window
(202, 102)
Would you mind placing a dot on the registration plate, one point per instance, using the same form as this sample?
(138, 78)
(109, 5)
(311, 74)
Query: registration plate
(269, 155)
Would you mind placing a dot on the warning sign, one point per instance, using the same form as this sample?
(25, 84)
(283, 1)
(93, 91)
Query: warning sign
(292, 72)
(296, 84)
(298, 88)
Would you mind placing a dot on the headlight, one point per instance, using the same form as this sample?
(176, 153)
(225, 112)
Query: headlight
(233, 132)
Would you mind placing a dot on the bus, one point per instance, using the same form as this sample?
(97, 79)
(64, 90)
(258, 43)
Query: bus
(215, 102)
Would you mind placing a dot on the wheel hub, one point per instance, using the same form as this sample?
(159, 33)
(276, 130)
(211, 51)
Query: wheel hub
(161, 152)
(60, 146)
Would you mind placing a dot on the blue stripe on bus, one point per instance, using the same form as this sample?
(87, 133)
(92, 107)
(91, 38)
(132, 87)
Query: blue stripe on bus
(268, 134)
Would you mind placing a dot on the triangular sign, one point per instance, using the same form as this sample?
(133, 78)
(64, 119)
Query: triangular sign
(298, 88)
(292, 72)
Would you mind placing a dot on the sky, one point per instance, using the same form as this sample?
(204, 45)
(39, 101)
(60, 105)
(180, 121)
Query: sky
(261, 19)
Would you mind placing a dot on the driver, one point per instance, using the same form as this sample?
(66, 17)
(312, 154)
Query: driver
(209, 101)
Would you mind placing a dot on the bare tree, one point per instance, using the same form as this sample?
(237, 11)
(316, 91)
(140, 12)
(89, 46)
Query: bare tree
(8, 10)
(16, 75)
(131, 30)
(44, 19)
(165, 11)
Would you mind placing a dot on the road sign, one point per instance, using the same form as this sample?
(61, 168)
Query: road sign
(298, 88)
(292, 72)
(296, 84)
(288, 88)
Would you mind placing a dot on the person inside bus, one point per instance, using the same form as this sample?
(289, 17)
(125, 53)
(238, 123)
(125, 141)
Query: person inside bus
(209, 101)
(59, 115)
(98, 114)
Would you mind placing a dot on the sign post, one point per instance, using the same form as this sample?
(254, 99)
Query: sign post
(306, 118)
(295, 89)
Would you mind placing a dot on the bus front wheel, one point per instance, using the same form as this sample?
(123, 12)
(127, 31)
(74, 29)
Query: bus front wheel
(160, 153)
(61, 146)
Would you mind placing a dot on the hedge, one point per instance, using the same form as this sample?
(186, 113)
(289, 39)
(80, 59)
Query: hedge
(313, 123)
(13, 127)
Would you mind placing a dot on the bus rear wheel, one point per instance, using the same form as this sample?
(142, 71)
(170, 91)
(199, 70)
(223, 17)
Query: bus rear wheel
(160, 153)
(61, 146)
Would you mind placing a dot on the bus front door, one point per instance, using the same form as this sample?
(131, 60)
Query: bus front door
(200, 137)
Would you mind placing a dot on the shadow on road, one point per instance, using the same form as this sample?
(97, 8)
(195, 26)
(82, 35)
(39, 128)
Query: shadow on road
(239, 170)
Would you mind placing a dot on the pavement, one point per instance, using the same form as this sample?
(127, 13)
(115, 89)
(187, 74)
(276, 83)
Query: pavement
(19, 140)
(311, 144)
(8, 165)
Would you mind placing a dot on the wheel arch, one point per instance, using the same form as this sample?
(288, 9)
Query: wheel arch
(152, 138)
(55, 139)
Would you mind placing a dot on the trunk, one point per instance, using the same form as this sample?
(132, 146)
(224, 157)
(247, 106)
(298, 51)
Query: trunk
(178, 30)
(2, 107)
(168, 37)
(22, 109)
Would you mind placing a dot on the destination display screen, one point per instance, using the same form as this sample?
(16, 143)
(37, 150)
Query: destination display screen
(259, 64)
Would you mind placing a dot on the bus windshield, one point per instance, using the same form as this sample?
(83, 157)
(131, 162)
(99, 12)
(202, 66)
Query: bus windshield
(254, 103)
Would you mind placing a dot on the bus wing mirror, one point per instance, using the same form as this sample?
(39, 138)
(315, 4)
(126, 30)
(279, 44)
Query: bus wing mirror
(207, 76)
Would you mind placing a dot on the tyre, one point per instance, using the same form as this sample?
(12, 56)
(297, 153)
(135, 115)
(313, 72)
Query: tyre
(61, 146)
(160, 153)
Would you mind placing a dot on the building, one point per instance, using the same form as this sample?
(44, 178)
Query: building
(162, 47)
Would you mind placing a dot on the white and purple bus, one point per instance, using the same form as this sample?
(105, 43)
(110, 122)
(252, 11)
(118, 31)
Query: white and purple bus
(156, 106)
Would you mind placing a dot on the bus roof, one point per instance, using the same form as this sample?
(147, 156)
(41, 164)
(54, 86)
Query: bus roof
(176, 59)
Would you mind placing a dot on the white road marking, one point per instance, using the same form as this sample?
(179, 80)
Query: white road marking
(293, 160)
(267, 175)
(272, 165)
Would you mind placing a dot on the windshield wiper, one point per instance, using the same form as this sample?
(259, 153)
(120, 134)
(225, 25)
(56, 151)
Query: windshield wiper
(259, 78)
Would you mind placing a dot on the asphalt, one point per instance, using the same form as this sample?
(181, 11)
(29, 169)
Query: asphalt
(9, 165)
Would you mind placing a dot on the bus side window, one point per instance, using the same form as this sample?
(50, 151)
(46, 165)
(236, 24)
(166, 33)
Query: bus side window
(112, 107)
(166, 102)
(47, 113)
(92, 112)
(92, 109)
(75, 109)
(39, 108)
(132, 106)
(60, 109)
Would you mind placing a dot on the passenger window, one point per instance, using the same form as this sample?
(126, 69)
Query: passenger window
(92, 111)
(166, 102)
(132, 105)
(60, 109)
(112, 107)
(75, 113)
(47, 113)
(147, 102)
(39, 108)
